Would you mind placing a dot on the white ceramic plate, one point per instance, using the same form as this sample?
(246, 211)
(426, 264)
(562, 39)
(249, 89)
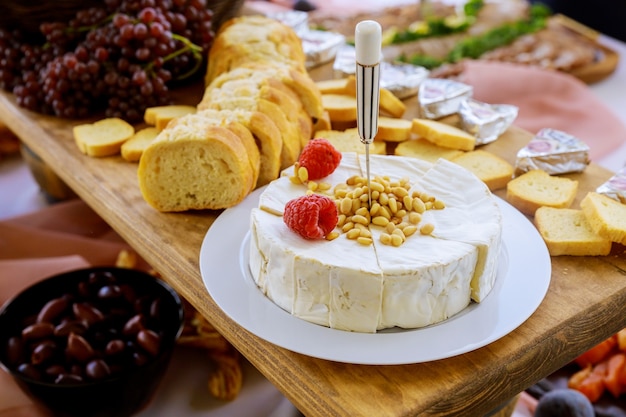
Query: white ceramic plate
(521, 284)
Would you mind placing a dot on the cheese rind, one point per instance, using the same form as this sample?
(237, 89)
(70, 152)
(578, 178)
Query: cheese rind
(365, 288)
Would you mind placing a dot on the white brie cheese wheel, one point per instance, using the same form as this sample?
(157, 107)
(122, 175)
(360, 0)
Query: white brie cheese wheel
(365, 288)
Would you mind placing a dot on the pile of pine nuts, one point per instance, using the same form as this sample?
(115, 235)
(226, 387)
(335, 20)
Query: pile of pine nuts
(393, 207)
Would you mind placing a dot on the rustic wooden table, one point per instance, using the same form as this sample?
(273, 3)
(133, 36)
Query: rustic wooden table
(585, 303)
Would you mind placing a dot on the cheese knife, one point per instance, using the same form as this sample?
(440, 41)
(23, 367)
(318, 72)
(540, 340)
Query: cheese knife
(368, 39)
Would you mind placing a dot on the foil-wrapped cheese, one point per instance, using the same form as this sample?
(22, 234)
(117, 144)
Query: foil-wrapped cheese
(615, 187)
(438, 97)
(297, 20)
(403, 80)
(553, 151)
(320, 46)
(486, 121)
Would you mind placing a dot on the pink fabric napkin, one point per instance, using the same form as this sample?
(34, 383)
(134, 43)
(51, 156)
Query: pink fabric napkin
(547, 99)
(59, 238)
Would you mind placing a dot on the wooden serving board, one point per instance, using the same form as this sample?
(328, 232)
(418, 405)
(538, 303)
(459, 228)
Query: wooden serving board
(586, 301)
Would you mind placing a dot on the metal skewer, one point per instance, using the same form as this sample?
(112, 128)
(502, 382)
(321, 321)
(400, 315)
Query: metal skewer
(368, 39)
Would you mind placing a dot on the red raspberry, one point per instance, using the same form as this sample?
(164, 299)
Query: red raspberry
(320, 158)
(312, 216)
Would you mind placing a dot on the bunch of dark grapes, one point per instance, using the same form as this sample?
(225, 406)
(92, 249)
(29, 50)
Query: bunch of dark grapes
(119, 58)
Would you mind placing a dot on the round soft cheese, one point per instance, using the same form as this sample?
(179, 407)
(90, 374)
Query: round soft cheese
(345, 285)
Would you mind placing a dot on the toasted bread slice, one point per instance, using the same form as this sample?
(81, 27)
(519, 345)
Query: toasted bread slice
(606, 216)
(426, 150)
(490, 168)
(160, 116)
(133, 148)
(443, 134)
(537, 188)
(567, 232)
(103, 137)
(349, 141)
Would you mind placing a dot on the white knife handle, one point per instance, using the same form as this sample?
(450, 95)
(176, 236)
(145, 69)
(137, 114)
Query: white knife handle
(368, 38)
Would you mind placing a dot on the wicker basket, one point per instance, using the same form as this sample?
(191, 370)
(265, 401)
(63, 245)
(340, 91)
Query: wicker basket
(29, 14)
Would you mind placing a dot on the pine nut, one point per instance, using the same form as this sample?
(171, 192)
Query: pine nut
(427, 229)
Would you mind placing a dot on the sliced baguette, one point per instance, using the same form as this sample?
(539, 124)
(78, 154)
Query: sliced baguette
(388, 102)
(426, 150)
(103, 137)
(349, 141)
(133, 148)
(340, 107)
(537, 188)
(290, 146)
(443, 134)
(606, 216)
(567, 232)
(494, 171)
(160, 116)
(194, 165)
(333, 86)
(265, 133)
(254, 38)
(393, 129)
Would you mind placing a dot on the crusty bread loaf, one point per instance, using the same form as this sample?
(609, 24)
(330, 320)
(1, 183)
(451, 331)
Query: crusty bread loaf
(537, 188)
(567, 232)
(103, 137)
(349, 141)
(288, 134)
(265, 133)
(133, 148)
(443, 134)
(254, 38)
(606, 216)
(426, 150)
(160, 116)
(494, 171)
(393, 129)
(247, 139)
(250, 83)
(194, 165)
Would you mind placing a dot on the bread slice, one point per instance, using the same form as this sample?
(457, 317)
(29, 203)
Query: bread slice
(103, 137)
(443, 134)
(389, 104)
(349, 141)
(254, 38)
(160, 116)
(194, 165)
(340, 107)
(426, 150)
(297, 84)
(537, 188)
(494, 171)
(606, 216)
(393, 129)
(133, 148)
(333, 86)
(248, 83)
(265, 133)
(567, 232)
(290, 139)
(248, 141)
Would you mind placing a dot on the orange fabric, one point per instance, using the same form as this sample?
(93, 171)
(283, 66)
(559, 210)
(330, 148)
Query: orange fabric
(548, 99)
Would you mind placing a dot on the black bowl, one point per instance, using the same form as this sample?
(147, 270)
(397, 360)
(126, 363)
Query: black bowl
(132, 375)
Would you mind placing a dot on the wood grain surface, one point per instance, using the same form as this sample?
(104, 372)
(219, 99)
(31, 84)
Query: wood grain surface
(586, 301)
